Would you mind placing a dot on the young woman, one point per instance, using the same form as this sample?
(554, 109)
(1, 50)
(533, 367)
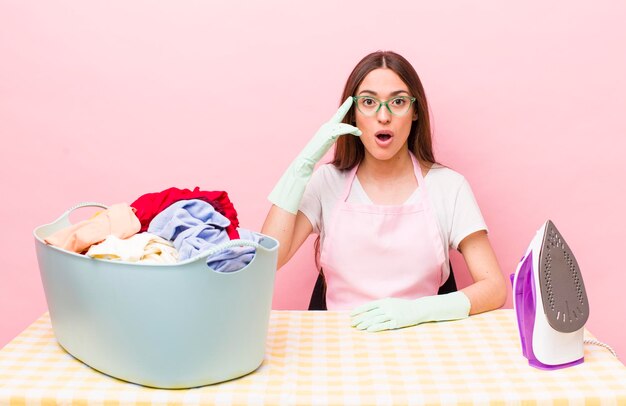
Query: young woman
(386, 213)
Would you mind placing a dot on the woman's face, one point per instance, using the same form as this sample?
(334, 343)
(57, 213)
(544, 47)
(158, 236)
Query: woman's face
(384, 134)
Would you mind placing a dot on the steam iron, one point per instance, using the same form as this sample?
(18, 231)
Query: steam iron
(550, 302)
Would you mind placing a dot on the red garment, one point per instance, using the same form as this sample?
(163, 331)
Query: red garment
(151, 204)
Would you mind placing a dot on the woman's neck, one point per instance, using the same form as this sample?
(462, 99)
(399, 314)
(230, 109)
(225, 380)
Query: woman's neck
(388, 170)
(389, 182)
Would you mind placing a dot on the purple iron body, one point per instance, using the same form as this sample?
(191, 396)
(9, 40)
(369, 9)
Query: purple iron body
(550, 302)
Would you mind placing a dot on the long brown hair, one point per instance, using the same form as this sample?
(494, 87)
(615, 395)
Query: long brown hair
(349, 150)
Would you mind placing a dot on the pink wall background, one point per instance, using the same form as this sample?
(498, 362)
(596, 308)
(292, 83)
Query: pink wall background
(107, 101)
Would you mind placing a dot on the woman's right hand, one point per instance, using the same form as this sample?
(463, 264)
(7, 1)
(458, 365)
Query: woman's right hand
(328, 133)
(289, 190)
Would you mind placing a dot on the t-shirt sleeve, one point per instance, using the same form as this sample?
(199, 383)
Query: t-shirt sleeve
(466, 218)
(311, 203)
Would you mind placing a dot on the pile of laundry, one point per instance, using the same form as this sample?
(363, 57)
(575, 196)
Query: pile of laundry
(163, 228)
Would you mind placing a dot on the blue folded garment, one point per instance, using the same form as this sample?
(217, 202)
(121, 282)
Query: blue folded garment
(234, 259)
(194, 226)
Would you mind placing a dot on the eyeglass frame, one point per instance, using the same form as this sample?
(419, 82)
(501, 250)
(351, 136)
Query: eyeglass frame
(385, 103)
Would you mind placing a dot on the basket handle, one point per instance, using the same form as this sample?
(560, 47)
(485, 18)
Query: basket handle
(65, 216)
(229, 244)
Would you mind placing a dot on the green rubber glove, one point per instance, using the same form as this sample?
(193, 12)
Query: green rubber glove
(289, 190)
(391, 313)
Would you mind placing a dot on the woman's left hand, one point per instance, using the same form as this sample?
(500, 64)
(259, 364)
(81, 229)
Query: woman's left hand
(393, 313)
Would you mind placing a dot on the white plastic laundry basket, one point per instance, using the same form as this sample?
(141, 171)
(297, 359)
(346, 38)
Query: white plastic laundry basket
(165, 326)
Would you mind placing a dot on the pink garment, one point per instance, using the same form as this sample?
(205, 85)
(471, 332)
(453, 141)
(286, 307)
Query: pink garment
(118, 220)
(373, 252)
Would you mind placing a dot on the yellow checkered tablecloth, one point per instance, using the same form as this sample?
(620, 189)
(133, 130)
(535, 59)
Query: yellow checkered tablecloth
(317, 358)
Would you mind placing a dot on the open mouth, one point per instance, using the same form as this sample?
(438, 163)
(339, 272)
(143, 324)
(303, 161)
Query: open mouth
(383, 137)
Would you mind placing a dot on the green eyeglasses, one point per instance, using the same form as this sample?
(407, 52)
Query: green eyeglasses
(398, 106)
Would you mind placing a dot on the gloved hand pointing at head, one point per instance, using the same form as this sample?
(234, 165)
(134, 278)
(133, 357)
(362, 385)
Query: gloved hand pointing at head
(392, 313)
(289, 190)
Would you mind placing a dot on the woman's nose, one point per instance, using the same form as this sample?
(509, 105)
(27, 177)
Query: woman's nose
(383, 116)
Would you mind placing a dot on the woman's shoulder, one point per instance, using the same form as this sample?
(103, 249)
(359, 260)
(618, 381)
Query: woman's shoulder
(328, 176)
(331, 172)
(446, 184)
(442, 174)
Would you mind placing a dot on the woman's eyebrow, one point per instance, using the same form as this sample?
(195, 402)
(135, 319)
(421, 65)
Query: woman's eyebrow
(394, 93)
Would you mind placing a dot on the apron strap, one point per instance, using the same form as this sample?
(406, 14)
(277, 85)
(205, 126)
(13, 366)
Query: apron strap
(432, 217)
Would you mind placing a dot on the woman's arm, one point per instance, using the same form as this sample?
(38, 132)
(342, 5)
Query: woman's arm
(488, 291)
(290, 230)
(284, 221)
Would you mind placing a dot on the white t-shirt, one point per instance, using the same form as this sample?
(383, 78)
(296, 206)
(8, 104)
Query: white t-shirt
(458, 214)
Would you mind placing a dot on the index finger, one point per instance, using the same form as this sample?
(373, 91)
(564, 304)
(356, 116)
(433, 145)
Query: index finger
(366, 307)
(342, 111)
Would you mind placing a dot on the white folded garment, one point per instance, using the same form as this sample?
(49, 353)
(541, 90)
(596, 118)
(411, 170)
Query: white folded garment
(143, 247)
